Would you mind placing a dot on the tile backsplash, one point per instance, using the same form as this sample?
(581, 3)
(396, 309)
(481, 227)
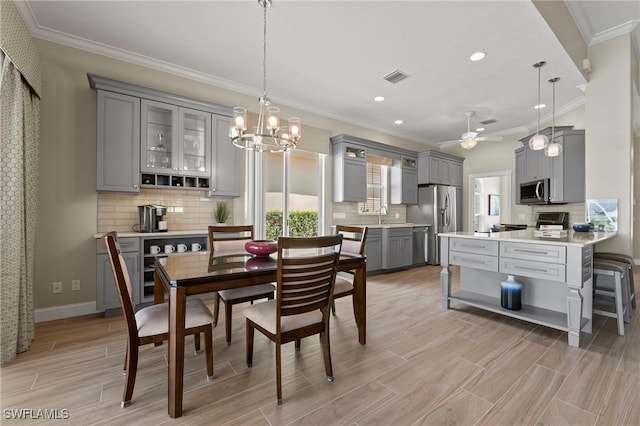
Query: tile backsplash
(577, 212)
(186, 210)
(347, 214)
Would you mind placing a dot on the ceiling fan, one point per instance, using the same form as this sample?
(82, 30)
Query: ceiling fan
(471, 139)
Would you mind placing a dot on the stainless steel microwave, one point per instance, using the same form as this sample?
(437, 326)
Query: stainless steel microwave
(536, 192)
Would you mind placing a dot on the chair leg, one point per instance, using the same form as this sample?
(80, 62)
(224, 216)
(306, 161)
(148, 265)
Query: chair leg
(132, 368)
(216, 308)
(249, 354)
(333, 306)
(326, 353)
(297, 345)
(196, 342)
(279, 372)
(619, 304)
(208, 345)
(126, 361)
(227, 320)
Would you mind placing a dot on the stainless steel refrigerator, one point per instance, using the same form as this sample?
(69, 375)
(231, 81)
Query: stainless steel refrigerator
(438, 206)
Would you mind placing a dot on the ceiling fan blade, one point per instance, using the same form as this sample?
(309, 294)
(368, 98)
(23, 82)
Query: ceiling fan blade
(490, 138)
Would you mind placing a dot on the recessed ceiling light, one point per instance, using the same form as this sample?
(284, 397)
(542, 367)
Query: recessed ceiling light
(540, 106)
(379, 98)
(398, 122)
(478, 56)
(480, 129)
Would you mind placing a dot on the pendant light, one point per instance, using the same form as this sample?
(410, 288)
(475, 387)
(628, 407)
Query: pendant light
(538, 141)
(268, 135)
(553, 149)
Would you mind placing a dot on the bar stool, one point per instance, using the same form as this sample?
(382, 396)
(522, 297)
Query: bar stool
(619, 293)
(619, 257)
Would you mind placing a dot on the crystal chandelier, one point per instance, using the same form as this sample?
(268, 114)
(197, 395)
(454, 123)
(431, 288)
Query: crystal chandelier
(268, 135)
(553, 149)
(538, 141)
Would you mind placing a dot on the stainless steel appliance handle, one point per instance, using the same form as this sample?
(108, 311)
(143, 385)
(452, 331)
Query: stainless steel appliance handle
(538, 196)
(447, 216)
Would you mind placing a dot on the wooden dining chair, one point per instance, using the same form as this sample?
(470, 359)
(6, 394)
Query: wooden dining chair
(151, 324)
(354, 242)
(305, 279)
(234, 238)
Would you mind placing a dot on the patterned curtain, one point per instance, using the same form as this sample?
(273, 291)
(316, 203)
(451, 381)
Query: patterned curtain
(19, 138)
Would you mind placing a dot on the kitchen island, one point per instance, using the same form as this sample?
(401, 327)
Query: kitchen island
(556, 275)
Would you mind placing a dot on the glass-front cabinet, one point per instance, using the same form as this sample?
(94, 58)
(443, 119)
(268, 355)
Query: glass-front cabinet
(195, 127)
(159, 131)
(175, 140)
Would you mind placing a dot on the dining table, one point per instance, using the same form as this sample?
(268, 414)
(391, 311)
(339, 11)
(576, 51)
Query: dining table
(180, 275)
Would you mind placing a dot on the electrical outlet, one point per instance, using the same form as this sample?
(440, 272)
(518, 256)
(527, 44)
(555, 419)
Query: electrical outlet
(57, 287)
(75, 285)
(522, 216)
(397, 215)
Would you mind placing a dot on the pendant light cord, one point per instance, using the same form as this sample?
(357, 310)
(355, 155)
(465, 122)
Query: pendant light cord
(538, 126)
(264, 52)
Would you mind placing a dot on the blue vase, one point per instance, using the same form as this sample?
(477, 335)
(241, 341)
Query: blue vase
(511, 294)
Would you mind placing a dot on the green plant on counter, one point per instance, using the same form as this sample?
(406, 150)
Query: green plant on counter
(221, 213)
(302, 223)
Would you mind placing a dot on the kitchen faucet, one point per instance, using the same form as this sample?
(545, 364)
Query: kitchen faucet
(386, 211)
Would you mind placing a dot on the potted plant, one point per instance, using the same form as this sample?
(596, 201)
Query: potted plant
(221, 213)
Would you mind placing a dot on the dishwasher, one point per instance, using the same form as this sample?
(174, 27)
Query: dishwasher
(420, 245)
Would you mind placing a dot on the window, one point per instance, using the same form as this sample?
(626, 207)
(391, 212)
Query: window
(377, 185)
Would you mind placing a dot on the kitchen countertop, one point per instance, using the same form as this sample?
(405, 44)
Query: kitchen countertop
(156, 234)
(527, 236)
(393, 225)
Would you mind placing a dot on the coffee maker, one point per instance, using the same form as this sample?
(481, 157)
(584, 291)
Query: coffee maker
(152, 218)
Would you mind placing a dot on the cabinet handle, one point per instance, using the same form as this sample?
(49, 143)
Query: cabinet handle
(543, 253)
(467, 260)
(526, 268)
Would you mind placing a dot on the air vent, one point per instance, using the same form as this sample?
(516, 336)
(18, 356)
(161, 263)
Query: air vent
(490, 121)
(395, 76)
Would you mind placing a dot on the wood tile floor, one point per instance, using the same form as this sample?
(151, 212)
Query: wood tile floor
(421, 365)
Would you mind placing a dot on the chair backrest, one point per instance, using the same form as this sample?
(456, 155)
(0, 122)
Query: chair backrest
(229, 237)
(121, 278)
(306, 274)
(354, 238)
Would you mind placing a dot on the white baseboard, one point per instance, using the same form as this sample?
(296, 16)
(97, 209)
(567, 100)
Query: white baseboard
(65, 311)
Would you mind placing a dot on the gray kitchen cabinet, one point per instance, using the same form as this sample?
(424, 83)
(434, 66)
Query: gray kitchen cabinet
(397, 247)
(373, 249)
(520, 175)
(226, 168)
(537, 165)
(118, 142)
(349, 172)
(404, 181)
(566, 171)
(154, 139)
(438, 168)
(175, 146)
(106, 293)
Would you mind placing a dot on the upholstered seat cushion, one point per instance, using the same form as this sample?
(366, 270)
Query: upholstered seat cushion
(243, 292)
(154, 319)
(264, 314)
(343, 285)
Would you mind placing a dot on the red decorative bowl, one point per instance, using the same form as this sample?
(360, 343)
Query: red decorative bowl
(261, 247)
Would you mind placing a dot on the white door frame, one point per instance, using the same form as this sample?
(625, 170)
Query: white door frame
(507, 197)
